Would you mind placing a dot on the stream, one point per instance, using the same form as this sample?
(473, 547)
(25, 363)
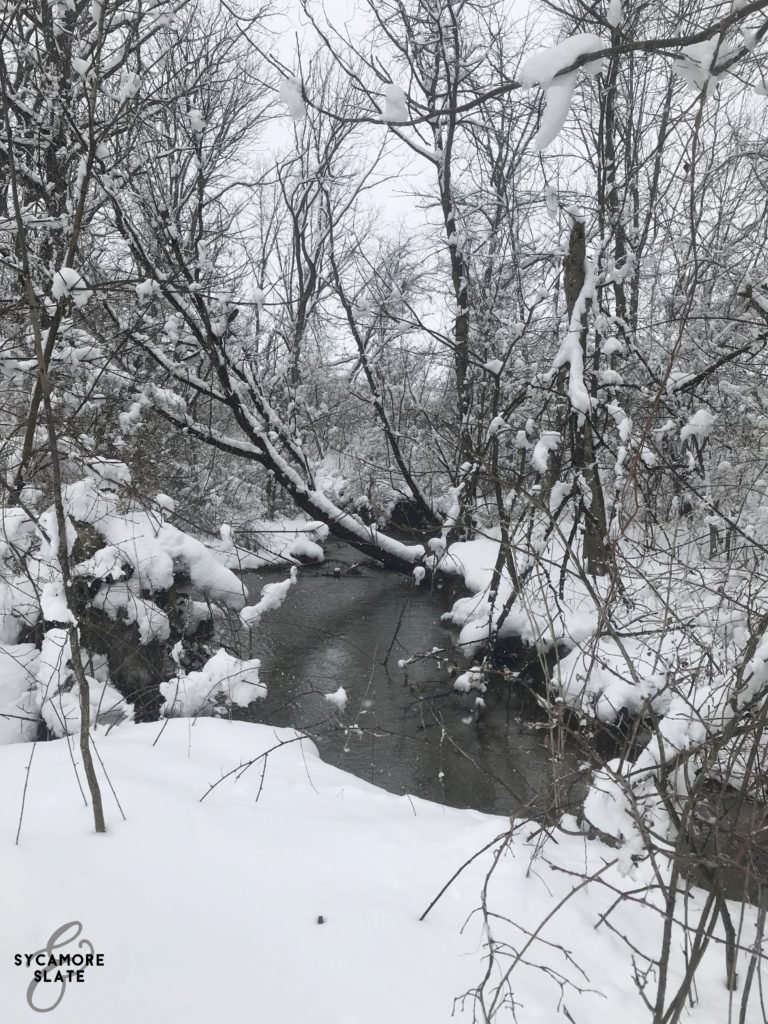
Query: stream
(407, 731)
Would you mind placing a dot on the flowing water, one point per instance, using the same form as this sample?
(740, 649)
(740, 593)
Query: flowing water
(409, 732)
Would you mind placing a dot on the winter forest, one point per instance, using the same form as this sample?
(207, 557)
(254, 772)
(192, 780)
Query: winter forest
(384, 511)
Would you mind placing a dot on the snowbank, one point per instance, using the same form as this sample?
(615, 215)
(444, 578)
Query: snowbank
(211, 911)
(130, 557)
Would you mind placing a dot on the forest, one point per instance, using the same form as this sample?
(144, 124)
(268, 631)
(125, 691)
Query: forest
(384, 412)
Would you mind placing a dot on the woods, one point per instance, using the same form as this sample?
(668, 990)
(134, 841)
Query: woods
(478, 289)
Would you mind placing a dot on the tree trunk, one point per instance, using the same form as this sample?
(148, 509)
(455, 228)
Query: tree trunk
(596, 554)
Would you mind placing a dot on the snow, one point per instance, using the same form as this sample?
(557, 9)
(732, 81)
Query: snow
(497, 425)
(146, 290)
(368, 534)
(473, 679)
(695, 63)
(53, 603)
(165, 502)
(110, 474)
(124, 602)
(290, 93)
(129, 86)
(154, 549)
(215, 580)
(18, 668)
(612, 346)
(338, 698)
(136, 557)
(557, 106)
(57, 695)
(273, 543)
(547, 443)
(306, 550)
(81, 66)
(699, 425)
(640, 664)
(615, 13)
(598, 677)
(68, 283)
(395, 104)
(104, 564)
(570, 351)
(246, 876)
(545, 69)
(272, 597)
(223, 682)
(649, 457)
(196, 121)
(16, 531)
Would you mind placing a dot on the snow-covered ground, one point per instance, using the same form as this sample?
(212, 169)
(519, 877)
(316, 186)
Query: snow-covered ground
(211, 911)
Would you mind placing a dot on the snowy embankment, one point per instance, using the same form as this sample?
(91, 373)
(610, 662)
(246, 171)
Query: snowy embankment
(665, 625)
(131, 558)
(212, 911)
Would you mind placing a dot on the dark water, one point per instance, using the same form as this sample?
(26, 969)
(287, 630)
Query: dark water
(408, 732)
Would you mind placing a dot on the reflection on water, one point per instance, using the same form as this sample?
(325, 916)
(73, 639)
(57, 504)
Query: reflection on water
(407, 733)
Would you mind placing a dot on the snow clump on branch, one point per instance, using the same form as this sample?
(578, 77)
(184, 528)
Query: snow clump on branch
(290, 93)
(67, 283)
(699, 425)
(545, 69)
(395, 104)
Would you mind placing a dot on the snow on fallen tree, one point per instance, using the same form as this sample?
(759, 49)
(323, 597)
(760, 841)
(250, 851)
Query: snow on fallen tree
(265, 438)
(154, 550)
(346, 526)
